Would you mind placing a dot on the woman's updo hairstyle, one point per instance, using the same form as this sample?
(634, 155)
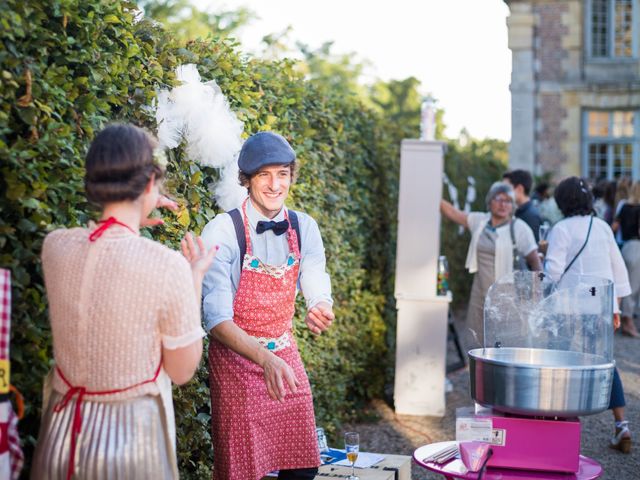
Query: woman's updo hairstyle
(119, 164)
(574, 197)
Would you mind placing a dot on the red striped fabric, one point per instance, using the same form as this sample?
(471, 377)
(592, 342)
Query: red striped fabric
(5, 312)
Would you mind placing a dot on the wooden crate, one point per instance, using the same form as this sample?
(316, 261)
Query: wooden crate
(393, 467)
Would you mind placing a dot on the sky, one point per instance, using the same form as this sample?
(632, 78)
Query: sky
(456, 48)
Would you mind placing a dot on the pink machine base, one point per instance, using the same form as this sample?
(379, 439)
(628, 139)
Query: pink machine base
(535, 444)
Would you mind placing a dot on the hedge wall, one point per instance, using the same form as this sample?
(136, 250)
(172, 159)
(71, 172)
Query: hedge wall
(67, 67)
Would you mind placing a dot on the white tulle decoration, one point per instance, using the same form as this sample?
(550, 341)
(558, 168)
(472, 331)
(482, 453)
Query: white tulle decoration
(453, 195)
(199, 114)
(469, 198)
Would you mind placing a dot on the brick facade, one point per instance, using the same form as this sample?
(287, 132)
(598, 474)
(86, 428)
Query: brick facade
(551, 114)
(550, 32)
(554, 81)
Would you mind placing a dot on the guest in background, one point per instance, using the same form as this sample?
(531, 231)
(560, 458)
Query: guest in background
(584, 245)
(627, 224)
(521, 181)
(622, 194)
(496, 240)
(540, 193)
(543, 199)
(599, 204)
(609, 198)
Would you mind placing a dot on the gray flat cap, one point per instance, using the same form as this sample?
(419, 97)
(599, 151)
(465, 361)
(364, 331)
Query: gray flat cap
(263, 149)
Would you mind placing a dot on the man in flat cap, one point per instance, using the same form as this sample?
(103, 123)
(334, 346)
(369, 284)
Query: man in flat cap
(262, 410)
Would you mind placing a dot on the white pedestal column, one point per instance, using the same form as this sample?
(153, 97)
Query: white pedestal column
(421, 338)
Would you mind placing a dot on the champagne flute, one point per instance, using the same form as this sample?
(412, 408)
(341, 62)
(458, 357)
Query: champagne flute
(352, 447)
(543, 231)
(543, 244)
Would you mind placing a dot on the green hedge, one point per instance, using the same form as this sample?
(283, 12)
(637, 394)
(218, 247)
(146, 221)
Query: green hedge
(68, 67)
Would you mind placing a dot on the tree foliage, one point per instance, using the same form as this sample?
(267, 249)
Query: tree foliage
(338, 72)
(188, 22)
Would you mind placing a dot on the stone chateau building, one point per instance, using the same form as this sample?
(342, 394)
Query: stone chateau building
(575, 87)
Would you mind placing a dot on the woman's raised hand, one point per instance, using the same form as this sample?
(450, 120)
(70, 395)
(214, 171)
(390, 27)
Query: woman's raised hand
(197, 255)
(163, 202)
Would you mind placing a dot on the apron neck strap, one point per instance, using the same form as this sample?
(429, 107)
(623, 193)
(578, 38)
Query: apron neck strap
(104, 225)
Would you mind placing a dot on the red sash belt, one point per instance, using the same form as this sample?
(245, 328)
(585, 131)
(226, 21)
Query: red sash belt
(77, 414)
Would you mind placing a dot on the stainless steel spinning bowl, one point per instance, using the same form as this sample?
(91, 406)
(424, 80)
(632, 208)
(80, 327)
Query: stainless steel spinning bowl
(538, 382)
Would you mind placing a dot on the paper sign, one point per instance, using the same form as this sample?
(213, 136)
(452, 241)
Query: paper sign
(4, 375)
(470, 429)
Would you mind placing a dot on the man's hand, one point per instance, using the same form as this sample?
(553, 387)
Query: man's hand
(163, 202)
(319, 318)
(276, 373)
(616, 321)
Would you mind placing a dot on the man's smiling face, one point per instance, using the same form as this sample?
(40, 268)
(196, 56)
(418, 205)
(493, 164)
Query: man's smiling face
(269, 187)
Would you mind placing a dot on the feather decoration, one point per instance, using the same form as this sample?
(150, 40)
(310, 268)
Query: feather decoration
(198, 114)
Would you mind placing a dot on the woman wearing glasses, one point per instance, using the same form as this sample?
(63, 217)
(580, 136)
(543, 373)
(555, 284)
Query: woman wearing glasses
(499, 243)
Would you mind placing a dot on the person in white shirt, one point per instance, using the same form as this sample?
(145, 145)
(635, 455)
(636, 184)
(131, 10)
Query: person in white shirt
(497, 242)
(583, 244)
(261, 405)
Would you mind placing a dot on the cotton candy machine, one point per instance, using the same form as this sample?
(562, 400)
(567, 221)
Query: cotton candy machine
(548, 346)
(547, 359)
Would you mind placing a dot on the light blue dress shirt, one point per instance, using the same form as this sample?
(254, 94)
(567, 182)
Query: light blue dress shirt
(221, 281)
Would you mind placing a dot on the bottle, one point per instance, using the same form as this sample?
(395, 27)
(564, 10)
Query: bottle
(322, 440)
(443, 275)
(428, 119)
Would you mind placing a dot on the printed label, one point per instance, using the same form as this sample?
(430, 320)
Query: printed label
(470, 429)
(4, 375)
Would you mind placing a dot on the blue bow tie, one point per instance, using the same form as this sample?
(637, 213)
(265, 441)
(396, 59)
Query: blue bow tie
(278, 227)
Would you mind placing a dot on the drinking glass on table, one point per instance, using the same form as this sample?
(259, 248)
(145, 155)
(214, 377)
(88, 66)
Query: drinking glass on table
(543, 231)
(352, 447)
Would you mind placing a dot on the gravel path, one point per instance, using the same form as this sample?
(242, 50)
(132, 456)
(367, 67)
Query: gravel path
(402, 434)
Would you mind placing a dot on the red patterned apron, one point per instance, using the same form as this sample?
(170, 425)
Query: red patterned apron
(253, 434)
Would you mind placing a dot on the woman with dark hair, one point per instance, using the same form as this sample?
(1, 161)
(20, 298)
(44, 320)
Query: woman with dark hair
(583, 244)
(125, 320)
(609, 198)
(599, 204)
(627, 224)
(497, 243)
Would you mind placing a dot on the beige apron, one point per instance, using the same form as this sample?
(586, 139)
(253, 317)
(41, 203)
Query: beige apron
(125, 439)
